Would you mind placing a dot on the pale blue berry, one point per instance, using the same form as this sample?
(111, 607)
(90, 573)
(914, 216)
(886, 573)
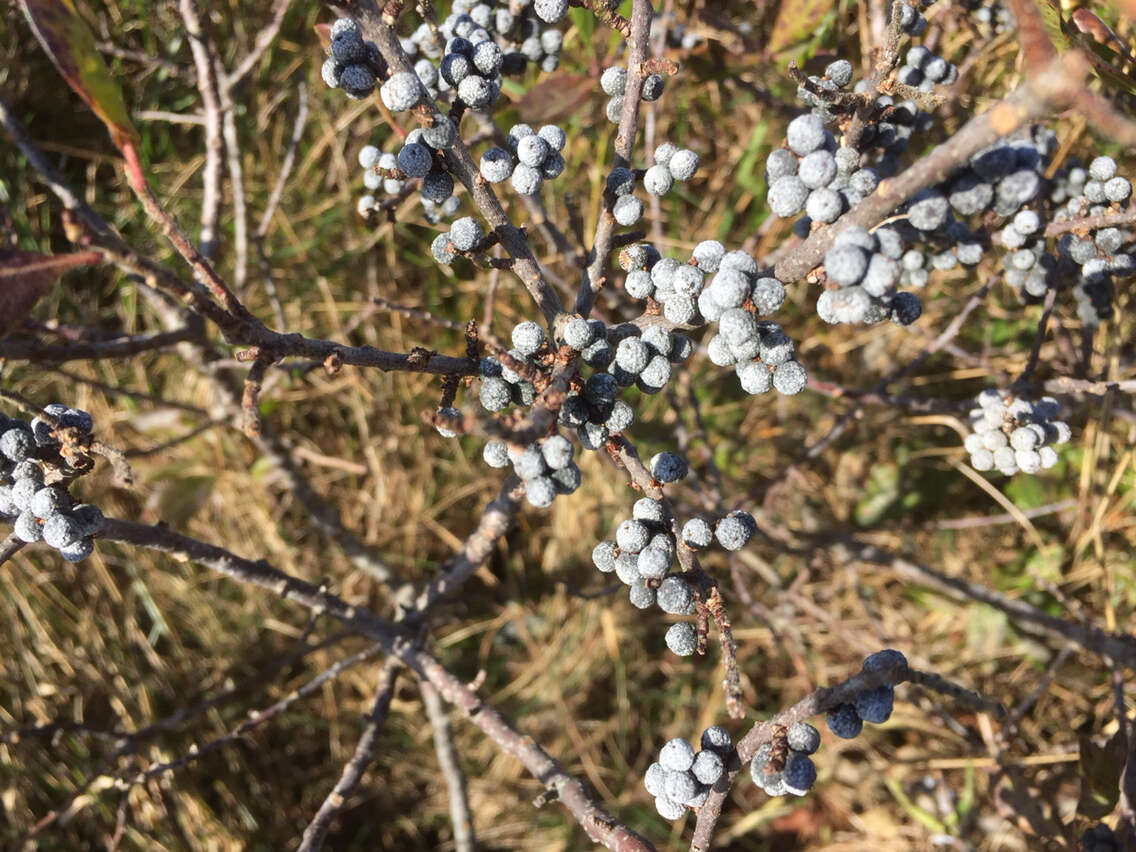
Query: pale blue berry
(401, 92)
(682, 639)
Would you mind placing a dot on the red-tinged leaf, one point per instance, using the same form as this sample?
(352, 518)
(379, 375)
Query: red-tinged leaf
(1100, 45)
(555, 98)
(68, 41)
(323, 33)
(1091, 25)
(26, 276)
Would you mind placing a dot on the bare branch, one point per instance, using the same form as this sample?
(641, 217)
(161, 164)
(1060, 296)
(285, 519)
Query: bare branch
(494, 523)
(274, 201)
(211, 109)
(352, 774)
(1035, 98)
(451, 768)
(120, 347)
(261, 43)
(1118, 646)
(592, 279)
(599, 825)
(9, 547)
(254, 720)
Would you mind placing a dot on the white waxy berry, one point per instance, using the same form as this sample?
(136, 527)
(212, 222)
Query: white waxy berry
(496, 165)
(682, 639)
(676, 755)
(532, 150)
(613, 81)
(401, 92)
(465, 233)
(683, 164)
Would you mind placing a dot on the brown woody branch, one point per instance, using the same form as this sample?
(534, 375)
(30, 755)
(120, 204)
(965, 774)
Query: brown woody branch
(379, 28)
(593, 277)
(118, 347)
(352, 774)
(1059, 84)
(600, 826)
(821, 701)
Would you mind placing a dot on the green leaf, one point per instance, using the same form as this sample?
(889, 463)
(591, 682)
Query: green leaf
(880, 492)
(796, 21)
(69, 43)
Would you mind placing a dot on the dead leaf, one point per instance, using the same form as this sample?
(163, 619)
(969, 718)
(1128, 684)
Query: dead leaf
(1100, 775)
(556, 97)
(26, 276)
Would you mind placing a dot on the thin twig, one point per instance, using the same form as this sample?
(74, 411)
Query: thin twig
(592, 278)
(236, 176)
(10, 547)
(119, 347)
(202, 49)
(261, 43)
(254, 720)
(451, 769)
(821, 701)
(1038, 338)
(599, 825)
(493, 524)
(352, 774)
(1120, 647)
(273, 202)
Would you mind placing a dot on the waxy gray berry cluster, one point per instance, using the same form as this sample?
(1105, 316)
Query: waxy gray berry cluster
(38, 461)
(681, 778)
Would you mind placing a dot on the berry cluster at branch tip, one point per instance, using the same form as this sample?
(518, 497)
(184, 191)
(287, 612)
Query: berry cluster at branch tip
(465, 238)
(782, 766)
(785, 769)
(681, 778)
(670, 164)
(1009, 434)
(911, 19)
(353, 65)
(923, 70)
(533, 156)
(419, 159)
(643, 553)
(1093, 258)
(613, 82)
(38, 462)
(866, 273)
